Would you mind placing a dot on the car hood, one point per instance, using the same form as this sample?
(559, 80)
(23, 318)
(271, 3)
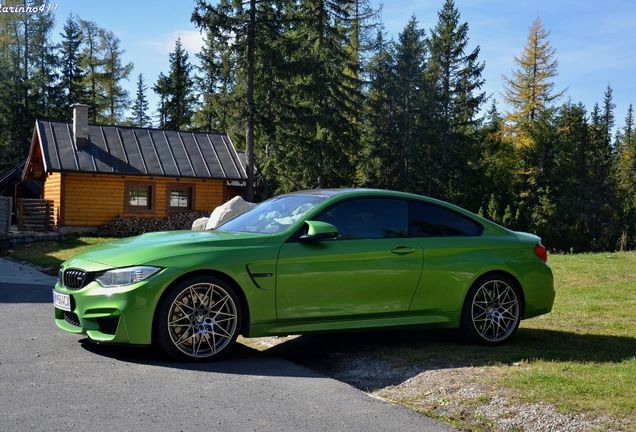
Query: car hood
(153, 246)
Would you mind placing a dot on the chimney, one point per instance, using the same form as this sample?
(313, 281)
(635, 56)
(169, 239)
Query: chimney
(80, 125)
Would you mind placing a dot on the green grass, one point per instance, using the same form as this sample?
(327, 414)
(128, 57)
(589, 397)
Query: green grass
(596, 307)
(50, 254)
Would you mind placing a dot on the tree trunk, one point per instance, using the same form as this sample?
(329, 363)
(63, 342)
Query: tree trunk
(249, 144)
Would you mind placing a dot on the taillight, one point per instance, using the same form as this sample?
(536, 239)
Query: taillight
(541, 252)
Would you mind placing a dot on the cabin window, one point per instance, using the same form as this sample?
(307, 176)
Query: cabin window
(139, 197)
(180, 197)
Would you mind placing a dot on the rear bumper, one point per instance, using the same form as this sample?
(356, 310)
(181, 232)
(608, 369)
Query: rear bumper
(538, 292)
(116, 315)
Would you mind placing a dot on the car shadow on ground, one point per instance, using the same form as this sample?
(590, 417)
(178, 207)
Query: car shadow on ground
(242, 360)
(25, 293)
(401, 353)
(404, 354)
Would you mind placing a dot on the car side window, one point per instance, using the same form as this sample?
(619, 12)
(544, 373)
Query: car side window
(430, 220)
(368, 218)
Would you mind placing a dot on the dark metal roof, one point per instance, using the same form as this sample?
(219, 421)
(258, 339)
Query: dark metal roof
(140, 151)
(14, 176)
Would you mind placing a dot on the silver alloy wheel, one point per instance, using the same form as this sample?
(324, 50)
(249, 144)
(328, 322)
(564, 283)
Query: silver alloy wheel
(202, 320)
(495, 310)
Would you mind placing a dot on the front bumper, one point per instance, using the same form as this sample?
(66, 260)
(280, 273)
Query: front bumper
(116, 315)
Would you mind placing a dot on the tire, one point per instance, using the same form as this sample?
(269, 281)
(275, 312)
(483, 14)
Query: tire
(189, 327)
(492, 310)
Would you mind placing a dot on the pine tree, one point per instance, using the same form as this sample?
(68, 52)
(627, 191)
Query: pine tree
(454, 81)
(626, 174)
(228, 18)
(410, 58)
(213, 82)
(572, 185)
(140, 117)
(608, 113)
(92, 62)
(379, 163)
(495, 167)
(115, 95)
(72, 75)
(162, 88)
(602, 185)
(327, 135)
(176, 91)
(531, 89)
(43, 80)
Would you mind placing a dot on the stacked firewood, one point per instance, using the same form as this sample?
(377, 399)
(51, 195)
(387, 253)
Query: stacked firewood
(121, 226)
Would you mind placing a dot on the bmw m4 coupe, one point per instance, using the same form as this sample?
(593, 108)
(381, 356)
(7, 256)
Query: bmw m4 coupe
(309, 261)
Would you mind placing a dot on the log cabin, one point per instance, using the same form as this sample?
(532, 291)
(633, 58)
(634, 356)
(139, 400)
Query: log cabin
(93, 173)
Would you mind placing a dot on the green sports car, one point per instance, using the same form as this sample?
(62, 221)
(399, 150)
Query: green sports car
(308, 261)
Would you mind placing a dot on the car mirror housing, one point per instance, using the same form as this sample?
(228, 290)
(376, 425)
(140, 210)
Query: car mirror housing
(317, 230)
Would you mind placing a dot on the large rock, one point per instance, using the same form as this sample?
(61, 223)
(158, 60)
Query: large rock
(199, 224)
(227, 211)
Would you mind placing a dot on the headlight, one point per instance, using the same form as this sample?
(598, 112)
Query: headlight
(125, 276)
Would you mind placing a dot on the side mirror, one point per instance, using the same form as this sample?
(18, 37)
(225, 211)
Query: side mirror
(317, 231)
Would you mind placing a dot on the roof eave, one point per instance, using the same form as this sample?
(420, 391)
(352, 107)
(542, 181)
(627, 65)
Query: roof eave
(36, 135)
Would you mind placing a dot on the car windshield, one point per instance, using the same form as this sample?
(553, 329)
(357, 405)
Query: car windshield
(274, 215)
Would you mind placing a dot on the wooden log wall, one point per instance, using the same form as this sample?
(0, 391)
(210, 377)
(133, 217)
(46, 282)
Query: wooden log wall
(95, 199)
(35, 215)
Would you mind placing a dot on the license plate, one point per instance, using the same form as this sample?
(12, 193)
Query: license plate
(62, 301)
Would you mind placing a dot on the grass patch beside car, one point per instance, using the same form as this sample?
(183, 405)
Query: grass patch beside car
(50, 254)
(572, 369)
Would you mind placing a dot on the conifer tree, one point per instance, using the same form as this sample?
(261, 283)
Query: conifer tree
(214, 81)
(140, 117)
(162, 88)
(92, 63)
(531, 88)
(608, 114)
(626, 173)
(176, 91)
(72, 75)
(227, 18)
(43, 79)
(379, 162)
(572, 184)
(496, 166)
(454, 81)
(324, 136)
(602, 184)
(115, 71)
(410, 63)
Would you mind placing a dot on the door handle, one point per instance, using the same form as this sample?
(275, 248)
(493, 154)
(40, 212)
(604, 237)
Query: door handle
(402, 250)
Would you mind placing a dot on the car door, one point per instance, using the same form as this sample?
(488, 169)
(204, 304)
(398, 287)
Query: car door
(454, 252)
(372, 268)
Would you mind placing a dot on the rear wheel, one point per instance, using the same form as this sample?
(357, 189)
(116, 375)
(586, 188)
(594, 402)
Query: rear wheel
(492, 310)
(198, 319)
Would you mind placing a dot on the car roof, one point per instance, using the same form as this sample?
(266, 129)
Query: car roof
(328, 193)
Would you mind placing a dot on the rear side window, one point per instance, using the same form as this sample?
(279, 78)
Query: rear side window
(429, 220)
(368, 218)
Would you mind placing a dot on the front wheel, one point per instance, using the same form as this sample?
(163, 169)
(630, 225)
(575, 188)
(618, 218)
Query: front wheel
(198, 319)
(492, 310)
